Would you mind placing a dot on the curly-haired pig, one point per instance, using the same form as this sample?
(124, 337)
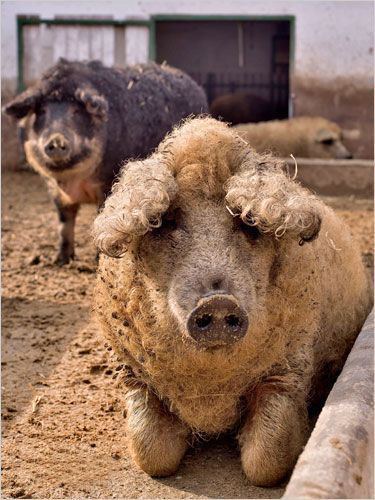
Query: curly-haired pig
(303, 136)
(81, 120)
(230, 293)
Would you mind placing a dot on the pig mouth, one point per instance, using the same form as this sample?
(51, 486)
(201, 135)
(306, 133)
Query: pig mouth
(69, 163)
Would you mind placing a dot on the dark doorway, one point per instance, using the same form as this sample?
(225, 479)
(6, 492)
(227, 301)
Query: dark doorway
(232, 57)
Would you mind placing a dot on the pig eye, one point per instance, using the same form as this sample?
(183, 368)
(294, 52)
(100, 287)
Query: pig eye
(79, 111)
(40, 113)
(327, 142)
(252, 232)
(40, 119)
(171, 221)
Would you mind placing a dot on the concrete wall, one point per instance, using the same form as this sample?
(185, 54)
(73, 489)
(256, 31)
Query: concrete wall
(338, 459)
(333, 64)
(333, 38)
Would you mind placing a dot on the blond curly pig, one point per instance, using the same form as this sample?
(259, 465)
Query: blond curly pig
(230, 293)
(303, 137)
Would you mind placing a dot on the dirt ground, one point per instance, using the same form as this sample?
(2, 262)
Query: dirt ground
(62, 413)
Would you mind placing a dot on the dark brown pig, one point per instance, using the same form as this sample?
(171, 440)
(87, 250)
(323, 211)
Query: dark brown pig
(241, 107)
(81, 120)
(234, 293)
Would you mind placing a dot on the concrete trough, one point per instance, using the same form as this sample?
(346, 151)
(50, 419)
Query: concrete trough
(335, 177)
(338, 460)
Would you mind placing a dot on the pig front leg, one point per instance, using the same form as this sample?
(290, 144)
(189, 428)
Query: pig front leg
(157, 440)
(67, 216)
(273, 436)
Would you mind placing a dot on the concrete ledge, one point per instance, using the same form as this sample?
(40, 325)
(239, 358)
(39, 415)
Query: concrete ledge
(336, 177)
(338, 460)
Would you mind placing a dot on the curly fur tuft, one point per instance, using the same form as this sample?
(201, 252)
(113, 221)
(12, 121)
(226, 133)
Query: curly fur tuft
(265, 197)
(138, 200)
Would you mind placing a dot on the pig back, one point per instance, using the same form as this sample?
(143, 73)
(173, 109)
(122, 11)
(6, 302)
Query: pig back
(145, 103)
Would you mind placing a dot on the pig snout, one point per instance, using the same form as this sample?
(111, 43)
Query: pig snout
(342, 153)
(217, 319)
(57, 147)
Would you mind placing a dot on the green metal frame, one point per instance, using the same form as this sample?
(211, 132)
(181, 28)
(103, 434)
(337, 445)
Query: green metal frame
(31, 20)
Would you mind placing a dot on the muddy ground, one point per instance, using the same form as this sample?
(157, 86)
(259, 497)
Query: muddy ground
(62, 414)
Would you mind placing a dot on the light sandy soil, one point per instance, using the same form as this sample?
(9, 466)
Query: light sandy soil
(63, 420)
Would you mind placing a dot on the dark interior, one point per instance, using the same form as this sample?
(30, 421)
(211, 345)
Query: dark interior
(227, 57)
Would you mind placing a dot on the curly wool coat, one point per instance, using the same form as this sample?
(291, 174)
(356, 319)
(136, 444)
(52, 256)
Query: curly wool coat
(303, 137)
(315, 294)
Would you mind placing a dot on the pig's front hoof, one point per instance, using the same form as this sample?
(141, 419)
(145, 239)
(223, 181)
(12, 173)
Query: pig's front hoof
(272, 436)
(159, 447)
(266, 464)
(157, 440)
(158, 467)
(63, 259)
(264, 474)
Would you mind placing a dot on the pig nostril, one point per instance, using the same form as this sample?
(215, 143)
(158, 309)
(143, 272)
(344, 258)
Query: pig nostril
(217, 320)
(56, 148)
(232, 321)
(203, 321)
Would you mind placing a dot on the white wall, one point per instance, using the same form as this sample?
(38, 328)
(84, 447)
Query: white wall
(333, 38)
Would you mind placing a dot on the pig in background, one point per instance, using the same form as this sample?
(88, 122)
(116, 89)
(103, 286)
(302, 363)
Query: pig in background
(241, 107)
(303, 137)
(81, 120)
(228, 302)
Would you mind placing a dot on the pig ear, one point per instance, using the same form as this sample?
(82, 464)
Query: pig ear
(351, 135)
(264, 196)
(21, 105)
(138, 200)
(95, 103)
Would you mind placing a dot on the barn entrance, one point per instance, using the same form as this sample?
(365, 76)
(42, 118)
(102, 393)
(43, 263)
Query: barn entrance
(232, 57)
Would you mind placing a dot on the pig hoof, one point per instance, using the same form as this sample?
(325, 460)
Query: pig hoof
(157, 440)
(158, 450)
(157, 469)
(268, 465)
(62, 260)
(261, 475)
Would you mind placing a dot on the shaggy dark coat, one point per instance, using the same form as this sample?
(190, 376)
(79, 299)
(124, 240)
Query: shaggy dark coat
(82, 120)
(144, 102)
